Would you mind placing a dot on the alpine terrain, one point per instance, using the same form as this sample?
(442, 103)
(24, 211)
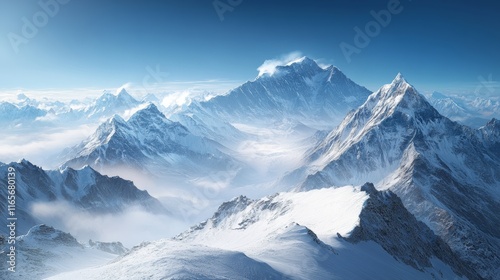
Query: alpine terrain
(447, 174)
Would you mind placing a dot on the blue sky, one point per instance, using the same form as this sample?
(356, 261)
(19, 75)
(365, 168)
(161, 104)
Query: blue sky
(437, 45)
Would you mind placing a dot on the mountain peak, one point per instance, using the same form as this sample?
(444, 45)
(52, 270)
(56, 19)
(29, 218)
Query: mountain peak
(22, 96)
(303, 65)
(303, 60)
(399, 78)
(126, 97)
(44, 233)
(124, 94)
(26, 163)
(116, 119)
(150, 109)
(398, 87)
(122, 91)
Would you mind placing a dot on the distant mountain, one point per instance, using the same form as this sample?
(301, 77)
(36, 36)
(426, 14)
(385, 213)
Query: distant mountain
(466, 109)
(318, 234)
(447, 175)
(109, 104)
(205, 123)
(301, 91)
(83, 189)
(31, 113)
(150, 142)
(150, 98)
(15, 116)
(45, 251)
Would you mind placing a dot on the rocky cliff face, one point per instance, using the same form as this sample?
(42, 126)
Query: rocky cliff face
(386, 221)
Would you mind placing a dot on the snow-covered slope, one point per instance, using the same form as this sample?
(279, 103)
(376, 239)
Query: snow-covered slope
(335, 233)
(84, 189)
(317, 234)
(45, 251)
(445, 173)
(167, 259)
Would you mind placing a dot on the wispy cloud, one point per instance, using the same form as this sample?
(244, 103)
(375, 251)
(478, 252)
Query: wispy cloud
(41, 146)
(269, 66)
(131, 226)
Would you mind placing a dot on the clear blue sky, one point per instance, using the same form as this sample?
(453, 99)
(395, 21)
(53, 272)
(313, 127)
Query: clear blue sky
(99, 43)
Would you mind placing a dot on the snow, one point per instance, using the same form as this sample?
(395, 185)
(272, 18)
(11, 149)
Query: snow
(44, 251)
(259, 133)
(340, 207)
(173, 260)
(288, 235)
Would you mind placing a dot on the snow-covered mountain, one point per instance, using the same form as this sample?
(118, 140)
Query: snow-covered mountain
(149, 142)
(204, 123)
(84, 189)
(45, 251)
(300, 90)
(32, 113)
(109, 104)
(447, 174)
(318, 234)
(469, 109)
(12, 115)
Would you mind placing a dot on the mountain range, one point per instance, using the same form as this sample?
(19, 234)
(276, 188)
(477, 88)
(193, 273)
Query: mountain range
(471, 110)
(446, 174)
(85, 189)
(431, 211)
(151, 143)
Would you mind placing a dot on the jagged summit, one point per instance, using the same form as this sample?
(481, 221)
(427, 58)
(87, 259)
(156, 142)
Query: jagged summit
(302, 66)
(304, 62)
(397, 97)
(301, 91)
(50, 235)
(399, 78)
(123, 92)
(398, 85)
(149, 109)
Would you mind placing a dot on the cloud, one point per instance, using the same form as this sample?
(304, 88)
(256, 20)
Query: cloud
(177, 99)
(269, 66)
(131, 227)
(129, 113)
(41, 146)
